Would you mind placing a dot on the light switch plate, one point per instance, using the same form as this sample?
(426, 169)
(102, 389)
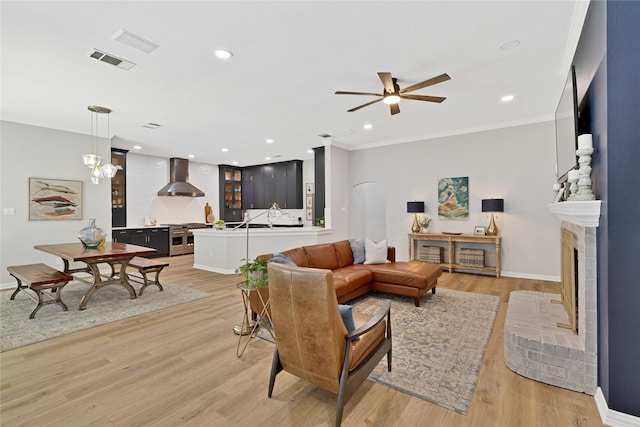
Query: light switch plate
(9, 211)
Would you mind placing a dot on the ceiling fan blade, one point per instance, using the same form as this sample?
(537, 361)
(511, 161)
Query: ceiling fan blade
(342, 92)
(387, 81)
(363, 105)
(395, 108)
(432, 81)
(424, 98)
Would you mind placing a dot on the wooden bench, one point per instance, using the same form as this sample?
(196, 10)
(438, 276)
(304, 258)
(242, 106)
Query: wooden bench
(145, 266)
(39, 277)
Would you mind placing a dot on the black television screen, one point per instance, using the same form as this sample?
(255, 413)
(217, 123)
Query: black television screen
(567, 128)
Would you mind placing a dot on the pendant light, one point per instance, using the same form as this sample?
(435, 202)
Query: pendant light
(93, 161)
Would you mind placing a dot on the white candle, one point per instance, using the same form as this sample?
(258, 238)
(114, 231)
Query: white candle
(585, 141)
(574, 175)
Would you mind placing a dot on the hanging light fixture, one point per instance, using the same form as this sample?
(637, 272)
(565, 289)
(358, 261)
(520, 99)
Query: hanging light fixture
(92, 160)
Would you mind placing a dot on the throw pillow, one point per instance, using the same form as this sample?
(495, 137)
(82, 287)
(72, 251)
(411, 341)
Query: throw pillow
(282, 259)
(346, 311)
(375, 253)
(357, 247)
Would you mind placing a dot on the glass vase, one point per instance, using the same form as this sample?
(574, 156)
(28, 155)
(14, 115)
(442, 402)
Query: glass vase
(91, 236)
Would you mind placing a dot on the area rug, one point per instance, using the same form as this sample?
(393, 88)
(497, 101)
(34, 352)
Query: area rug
(438, 347)
(108, 304)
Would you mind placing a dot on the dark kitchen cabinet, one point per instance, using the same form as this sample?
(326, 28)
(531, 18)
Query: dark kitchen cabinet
(275, 182)
(119, 188)
(156, 238)
(253, 187)
(230, 193)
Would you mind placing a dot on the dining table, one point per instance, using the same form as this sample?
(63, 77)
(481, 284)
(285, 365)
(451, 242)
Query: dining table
(117, 255)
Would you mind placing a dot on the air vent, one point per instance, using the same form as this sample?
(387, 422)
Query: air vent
(151, 125)
(135, 41)
(110, 59)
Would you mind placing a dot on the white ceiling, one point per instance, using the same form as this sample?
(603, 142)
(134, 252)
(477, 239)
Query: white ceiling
(289, 59)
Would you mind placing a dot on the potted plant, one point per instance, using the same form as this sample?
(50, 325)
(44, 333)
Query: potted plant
(254, 272)
(424, 222)
(219, 224)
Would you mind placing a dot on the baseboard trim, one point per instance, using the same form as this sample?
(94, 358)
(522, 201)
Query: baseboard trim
(519, 275)
(613, 418)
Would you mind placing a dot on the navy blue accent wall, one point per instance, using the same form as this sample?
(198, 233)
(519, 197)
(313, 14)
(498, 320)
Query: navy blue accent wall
(608, 78)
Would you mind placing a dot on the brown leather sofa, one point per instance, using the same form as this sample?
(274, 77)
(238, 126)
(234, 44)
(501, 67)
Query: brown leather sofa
(412, 278)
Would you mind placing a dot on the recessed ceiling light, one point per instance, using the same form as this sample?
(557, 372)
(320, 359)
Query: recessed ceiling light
(507, 98)
(225, 150)
(267, 158)
(223, 54)
(510, 45)
(269, 141)
(310, 151)
(137, 147)
(367, 126)
(191, 156)
(234, 162)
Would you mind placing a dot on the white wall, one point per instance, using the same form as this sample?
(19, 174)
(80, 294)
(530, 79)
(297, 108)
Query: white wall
(517, 164)
(147, 174)
(30, 151)
(338, 193)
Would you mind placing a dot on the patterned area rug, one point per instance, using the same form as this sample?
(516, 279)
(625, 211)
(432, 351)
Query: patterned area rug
(108, 304)
(438, 347)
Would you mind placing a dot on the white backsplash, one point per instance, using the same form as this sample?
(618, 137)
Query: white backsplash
(146, 175)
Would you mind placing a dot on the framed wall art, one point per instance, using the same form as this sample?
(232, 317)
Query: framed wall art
(453, 198)
(56, 199)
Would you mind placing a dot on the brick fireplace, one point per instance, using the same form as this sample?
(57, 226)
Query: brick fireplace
(535, 346)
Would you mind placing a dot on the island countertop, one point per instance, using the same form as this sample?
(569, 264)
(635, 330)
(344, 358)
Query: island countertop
(222, 251)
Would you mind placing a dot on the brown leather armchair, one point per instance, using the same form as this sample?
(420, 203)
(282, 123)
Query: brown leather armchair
(311, 340)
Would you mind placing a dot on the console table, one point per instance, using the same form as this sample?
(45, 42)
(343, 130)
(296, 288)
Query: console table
(454, 239)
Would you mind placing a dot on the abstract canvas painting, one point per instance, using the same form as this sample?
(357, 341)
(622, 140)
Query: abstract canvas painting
(54, 199)
(453, 198)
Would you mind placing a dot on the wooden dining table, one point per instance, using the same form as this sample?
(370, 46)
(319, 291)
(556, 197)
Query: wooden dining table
(117, 255)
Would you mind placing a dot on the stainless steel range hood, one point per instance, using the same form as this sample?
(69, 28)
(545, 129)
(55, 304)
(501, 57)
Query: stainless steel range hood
(179, 180)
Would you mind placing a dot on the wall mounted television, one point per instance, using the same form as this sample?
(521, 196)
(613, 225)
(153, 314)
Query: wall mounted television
(567, 128)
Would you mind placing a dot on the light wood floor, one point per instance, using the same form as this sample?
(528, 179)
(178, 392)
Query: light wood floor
(178, 366)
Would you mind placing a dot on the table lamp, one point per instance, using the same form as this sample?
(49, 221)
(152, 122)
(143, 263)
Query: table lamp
(415, 208)
(492, 205)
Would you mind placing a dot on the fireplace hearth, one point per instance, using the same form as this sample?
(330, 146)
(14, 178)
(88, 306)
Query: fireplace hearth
(535, 346)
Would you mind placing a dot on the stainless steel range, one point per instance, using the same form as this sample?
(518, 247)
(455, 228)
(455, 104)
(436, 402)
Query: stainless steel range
(181, 237)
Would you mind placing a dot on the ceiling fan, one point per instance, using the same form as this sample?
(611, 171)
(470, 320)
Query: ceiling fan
(392, 92)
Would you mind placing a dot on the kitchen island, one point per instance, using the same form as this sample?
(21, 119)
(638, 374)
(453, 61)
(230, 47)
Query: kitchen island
(222, 251)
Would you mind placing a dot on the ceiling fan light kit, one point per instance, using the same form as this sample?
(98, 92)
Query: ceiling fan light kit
(392, 94)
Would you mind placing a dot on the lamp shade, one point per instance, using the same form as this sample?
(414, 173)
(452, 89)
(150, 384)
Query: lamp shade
(492, 205)
(415, 207)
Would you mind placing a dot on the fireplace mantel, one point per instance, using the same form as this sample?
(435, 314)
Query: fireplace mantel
(584, 213)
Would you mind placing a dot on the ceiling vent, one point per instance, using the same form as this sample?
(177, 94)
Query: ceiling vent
(325, 135)
(151, 125)
(110, 59)
(134, 41)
